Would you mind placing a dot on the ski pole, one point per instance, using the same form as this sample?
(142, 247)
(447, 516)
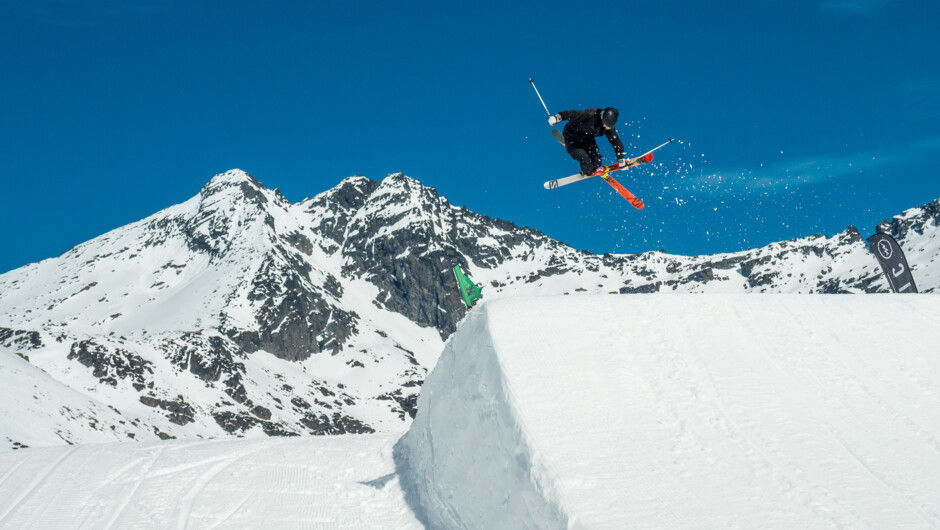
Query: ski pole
(667, 142)
(540, 96)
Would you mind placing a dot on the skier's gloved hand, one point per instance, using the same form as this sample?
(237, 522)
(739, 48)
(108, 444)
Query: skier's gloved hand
(552, 120)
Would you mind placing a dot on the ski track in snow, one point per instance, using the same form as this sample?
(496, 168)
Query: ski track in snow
(130, 495)
(318, 482)
(186, 507)
(31, 488)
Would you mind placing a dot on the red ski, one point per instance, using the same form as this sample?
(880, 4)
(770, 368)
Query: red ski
(624, 192)
(604, 172)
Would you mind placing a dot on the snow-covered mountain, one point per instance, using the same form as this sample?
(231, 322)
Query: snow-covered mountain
(239, 312)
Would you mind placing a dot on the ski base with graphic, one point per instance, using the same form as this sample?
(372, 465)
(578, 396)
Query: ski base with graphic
(603, 170)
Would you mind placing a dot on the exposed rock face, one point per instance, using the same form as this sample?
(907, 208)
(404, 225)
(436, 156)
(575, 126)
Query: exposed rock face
(111, 365)
(179, 412)
(294, 317)
(240, 311)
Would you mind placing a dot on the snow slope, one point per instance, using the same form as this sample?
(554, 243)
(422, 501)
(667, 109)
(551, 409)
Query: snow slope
(40, 410)
(707, 411)
(343, 481)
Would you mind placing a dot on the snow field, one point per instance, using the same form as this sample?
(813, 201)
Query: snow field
(36, 409)
(676, 411)
(682, 411)
(322, 482)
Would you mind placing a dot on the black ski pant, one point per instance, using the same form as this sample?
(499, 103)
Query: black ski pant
(586, 152)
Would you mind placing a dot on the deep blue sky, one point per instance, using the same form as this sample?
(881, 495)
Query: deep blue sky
(796, 117)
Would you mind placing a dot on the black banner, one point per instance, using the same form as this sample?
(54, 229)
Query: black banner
(893, 262)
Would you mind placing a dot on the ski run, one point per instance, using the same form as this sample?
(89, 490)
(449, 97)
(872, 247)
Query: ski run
(591, 411)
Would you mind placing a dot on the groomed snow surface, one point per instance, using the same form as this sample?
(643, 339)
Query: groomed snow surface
(675, 411)
(324, 482)
(683, 411)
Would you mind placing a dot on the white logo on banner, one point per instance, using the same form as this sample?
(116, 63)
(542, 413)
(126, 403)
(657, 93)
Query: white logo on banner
(884, 248)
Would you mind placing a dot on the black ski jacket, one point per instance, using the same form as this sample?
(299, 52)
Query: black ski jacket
(585, 125)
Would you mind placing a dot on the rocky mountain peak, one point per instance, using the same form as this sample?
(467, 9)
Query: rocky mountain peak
(350, 193)
(398, 188)
(232, 177)
(237, 186)
(237, 311)
(916, 219)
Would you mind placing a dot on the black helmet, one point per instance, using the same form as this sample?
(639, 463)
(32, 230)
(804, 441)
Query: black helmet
(609, 117)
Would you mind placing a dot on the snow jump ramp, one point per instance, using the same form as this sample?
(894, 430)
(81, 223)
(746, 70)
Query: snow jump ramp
(705, 411)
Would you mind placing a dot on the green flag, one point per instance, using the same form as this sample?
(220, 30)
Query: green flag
(468, 291)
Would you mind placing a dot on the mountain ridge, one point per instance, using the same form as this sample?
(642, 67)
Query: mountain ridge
(238, 312)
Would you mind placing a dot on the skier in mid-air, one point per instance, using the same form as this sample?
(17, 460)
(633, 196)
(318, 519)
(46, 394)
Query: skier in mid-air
(579, 133)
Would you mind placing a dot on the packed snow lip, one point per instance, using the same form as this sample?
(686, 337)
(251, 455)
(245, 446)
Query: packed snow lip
(682, 411)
